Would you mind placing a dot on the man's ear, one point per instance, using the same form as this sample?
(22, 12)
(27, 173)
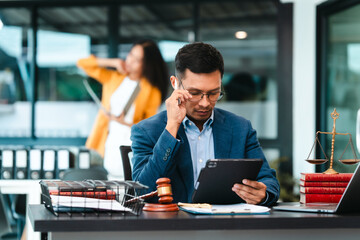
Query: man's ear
(174, 82)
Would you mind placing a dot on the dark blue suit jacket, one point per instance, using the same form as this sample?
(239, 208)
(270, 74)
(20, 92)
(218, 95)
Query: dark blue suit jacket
(158, 154)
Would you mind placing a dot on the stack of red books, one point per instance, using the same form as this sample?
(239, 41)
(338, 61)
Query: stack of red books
(105, 194)
(323, 188)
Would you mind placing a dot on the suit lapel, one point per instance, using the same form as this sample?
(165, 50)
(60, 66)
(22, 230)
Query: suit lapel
(222, 133)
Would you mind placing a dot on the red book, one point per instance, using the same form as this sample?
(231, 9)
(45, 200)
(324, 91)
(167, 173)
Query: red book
(319, 198)
(323, 184)
(109, 194)
(317, 177)
(332, 190)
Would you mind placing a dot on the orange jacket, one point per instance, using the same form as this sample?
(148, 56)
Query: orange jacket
(146, 103)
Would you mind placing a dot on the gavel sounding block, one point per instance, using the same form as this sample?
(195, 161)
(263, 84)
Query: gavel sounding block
(165, 198)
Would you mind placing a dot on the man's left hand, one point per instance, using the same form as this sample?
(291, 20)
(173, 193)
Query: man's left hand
(252, 192)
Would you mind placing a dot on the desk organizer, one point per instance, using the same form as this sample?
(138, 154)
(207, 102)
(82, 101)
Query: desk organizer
(92, 197)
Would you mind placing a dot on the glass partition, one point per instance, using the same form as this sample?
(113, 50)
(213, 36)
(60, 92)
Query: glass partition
(15, 87)
(63, 107)
(342, 81)
(249, 47)
(245, 32)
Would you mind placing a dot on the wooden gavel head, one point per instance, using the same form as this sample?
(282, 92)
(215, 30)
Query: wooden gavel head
(164, 190)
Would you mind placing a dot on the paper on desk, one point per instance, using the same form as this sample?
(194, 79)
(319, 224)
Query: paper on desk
(240, 208)
(82, 202)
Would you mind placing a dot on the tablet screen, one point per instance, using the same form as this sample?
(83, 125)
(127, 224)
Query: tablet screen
(216, 180)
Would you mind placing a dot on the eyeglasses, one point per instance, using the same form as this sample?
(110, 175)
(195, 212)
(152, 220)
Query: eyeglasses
(198, 95)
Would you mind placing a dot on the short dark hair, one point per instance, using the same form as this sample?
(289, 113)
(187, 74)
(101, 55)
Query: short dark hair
(198, 58)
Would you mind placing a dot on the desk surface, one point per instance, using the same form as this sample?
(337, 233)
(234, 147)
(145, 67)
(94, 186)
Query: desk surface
(44, 221)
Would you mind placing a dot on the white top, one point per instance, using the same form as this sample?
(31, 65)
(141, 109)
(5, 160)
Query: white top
(119, 134)
(121, 96)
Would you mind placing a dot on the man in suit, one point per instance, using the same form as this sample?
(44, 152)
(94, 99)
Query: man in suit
(177, 142)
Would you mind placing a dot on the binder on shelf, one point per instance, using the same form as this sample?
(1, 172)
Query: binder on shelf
(21, 164)
(84, 159)
(49, 163)
(63, 162)
(7, 166)
(35, 164)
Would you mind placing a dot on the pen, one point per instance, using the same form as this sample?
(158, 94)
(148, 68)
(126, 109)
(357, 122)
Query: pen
(179, 101)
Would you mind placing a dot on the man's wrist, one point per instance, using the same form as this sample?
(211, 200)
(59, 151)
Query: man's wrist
(172, 128)
(265, 199)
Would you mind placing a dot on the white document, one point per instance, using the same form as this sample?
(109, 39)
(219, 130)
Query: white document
(121, 99)
(82, 202)
(230, 208)
(124, 96)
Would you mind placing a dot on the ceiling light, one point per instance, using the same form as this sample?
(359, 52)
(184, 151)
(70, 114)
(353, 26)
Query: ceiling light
(1, 24)
(240, 34)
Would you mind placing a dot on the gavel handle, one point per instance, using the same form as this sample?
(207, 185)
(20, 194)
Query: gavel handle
(145, 196)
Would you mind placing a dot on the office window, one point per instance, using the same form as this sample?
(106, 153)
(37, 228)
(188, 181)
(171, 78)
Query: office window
(15, 86)
(171, 21)
(153, 21)
(340, 80)
(63, 107)
(64, 111)
(246, 35)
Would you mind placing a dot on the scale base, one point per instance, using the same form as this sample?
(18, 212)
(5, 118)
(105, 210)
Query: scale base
(330, 171)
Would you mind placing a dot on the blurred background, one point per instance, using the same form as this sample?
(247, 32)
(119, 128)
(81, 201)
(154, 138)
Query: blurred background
(281, 74)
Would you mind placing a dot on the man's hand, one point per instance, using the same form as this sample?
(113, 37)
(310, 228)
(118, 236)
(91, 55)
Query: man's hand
(251, 192)
(176, 112)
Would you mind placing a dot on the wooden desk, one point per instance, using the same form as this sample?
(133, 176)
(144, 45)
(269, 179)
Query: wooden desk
(181, 225)
(33, 195)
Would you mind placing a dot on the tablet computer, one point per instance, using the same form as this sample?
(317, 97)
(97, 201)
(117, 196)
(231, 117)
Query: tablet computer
(217, 178)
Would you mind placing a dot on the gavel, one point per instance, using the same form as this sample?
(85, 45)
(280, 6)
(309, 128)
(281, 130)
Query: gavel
(165, 197)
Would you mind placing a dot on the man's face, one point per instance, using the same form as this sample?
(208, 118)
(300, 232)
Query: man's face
(198, 83)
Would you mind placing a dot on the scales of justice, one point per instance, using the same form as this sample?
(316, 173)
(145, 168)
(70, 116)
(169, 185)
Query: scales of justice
(330, 170)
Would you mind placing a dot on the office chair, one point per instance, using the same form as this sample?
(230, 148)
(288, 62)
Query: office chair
(12, 217)
(124, 151)
(358, 131)
(18, 207)
(5, 214)
(76, 174)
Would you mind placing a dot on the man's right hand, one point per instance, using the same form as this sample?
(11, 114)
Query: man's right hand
(176, 112)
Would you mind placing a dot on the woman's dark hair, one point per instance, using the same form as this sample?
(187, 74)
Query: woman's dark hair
(198, 58)
(154, 67)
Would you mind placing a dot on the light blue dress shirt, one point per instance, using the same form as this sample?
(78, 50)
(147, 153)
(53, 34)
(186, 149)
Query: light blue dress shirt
(201, 143)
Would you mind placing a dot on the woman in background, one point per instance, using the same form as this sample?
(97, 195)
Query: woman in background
(144, 66)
